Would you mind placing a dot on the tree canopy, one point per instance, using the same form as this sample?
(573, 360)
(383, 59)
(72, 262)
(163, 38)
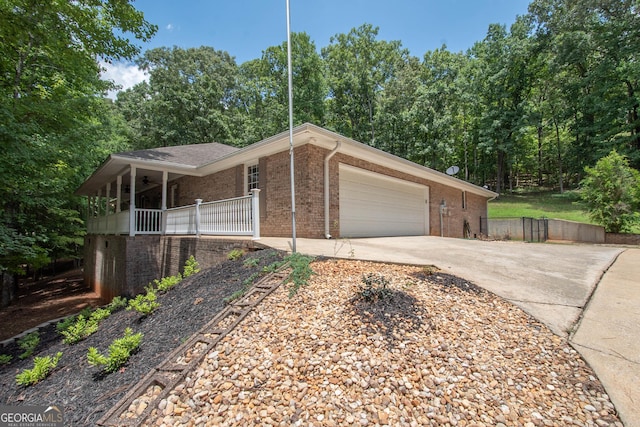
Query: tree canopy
(530, 104)
(53, 117)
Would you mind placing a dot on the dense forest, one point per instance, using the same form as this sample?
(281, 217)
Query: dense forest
(529, 105)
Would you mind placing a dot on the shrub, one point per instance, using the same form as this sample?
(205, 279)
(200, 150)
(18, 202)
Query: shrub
(166, 283)
(251, 262)
(374, 287)
(611, 191)
(300, 271)
(5, 359)
(28, 344)
(80, 329)
(145, 303)
(116, 304)
(235, 254)
(120, 350)
(64, 324)
(191, 267)
(42, 366)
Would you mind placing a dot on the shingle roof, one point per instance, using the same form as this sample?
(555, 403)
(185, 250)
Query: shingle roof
(191, 155)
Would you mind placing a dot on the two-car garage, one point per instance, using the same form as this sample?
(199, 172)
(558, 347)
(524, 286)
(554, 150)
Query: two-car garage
(376, 205)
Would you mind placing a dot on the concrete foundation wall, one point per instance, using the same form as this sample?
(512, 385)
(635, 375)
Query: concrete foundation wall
(505, 229)
(575, 231)
(124, 265)
(512, 229)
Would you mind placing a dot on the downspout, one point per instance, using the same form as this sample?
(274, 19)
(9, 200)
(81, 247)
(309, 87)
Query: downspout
(326, 189)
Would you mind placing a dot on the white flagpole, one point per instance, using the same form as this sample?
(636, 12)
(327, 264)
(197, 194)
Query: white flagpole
(293, 188)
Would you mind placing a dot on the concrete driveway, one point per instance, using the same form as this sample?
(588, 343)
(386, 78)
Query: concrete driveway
(552, 282)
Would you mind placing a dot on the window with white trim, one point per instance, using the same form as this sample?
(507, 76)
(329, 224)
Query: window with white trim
(253, 175)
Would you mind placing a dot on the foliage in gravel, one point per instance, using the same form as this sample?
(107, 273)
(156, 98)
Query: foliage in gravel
(77, 386)
(434, 350)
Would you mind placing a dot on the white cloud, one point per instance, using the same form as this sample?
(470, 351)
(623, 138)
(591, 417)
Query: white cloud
(124, 74)
(170, 27)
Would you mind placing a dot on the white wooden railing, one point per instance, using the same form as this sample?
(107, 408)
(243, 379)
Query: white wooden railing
(239, 216)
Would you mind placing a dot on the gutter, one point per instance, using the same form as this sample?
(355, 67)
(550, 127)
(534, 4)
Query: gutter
(326, 189)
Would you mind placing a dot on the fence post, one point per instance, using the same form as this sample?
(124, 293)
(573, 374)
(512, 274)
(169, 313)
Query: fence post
(198, 202)
(255, 212)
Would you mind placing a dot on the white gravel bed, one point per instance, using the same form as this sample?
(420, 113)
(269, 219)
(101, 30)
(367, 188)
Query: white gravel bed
(434, 351)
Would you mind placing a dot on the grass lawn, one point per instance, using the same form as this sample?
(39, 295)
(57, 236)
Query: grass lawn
(542, 204)
(539, 204)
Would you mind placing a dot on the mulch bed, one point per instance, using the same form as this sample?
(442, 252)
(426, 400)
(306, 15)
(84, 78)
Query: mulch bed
(79, 388)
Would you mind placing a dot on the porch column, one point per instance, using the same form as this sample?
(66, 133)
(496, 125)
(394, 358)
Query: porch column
(107, 209)
(198, 202)
(255, 212)
(165, 178)
(118, 193)
(132, 203)
(90, 219)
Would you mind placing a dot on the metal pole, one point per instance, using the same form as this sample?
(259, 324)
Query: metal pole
(293, 187)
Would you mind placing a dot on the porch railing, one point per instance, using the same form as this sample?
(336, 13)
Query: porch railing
(239, 216)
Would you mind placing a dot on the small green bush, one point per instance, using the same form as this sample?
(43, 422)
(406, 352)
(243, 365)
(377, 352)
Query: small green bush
(79, 330)
(374, 287)
(235, 254)
(42, 367)
(120, 351)
(116, 304)
(166, 283)
(28, 344)
(5, 359)
(191, 267)
(145, 303)
(301, 271)
(64, 324)
(251, 262)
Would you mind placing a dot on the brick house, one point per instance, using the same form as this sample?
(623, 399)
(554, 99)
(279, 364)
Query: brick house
(343, 188)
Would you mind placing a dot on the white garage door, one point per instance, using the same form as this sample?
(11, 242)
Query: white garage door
(375, 205)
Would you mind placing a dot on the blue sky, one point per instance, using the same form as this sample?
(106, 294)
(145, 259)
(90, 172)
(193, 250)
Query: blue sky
(244, 28)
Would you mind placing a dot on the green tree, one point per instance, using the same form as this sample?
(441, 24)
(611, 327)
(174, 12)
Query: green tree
(504, 85)
(262, 95)
(611, 191)
(593, 50)
(186, 100)
(359, 67)
(50, 106)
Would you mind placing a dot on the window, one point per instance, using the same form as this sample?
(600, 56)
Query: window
(464, 200)
(252, 177)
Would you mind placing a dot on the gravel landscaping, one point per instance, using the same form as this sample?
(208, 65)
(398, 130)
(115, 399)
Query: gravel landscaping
(414, 347)
(429, 349)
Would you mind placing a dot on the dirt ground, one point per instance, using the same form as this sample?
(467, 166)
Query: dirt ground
(47, 299)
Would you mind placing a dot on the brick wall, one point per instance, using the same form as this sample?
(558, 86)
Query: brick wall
(453, 223)
(275, 195)
(123, 265)
(218, 186)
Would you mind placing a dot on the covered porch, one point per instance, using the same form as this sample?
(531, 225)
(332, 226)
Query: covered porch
(136, 202)
(239, 216)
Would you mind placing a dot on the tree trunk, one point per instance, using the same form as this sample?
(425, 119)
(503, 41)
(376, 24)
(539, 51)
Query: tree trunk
(499, 170)
(559, 144)
(8, 289)
(540, 155)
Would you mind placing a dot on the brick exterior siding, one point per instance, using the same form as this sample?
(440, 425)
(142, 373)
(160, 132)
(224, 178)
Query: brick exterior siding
(275, 195)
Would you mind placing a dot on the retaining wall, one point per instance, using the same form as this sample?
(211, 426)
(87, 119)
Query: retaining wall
(557, 229)
(124, 265)
(575, 231)
(622, 239)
